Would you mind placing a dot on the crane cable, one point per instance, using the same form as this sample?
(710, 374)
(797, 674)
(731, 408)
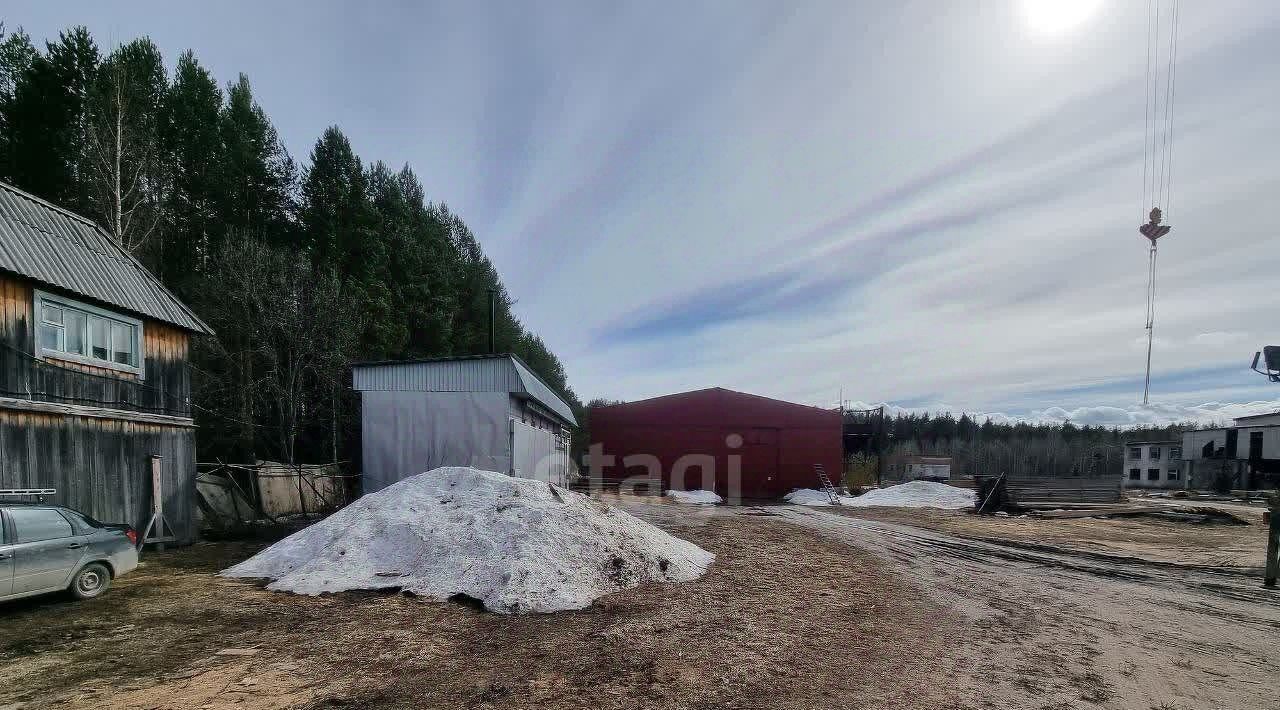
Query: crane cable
(1171, 86)
(1158, 119)
(1157, 164)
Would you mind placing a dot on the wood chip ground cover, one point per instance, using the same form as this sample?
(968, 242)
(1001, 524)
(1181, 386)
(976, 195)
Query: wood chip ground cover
(785, 618)
(803, 608)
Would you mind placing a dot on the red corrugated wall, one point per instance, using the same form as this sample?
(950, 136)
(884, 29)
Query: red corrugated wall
(780, 441)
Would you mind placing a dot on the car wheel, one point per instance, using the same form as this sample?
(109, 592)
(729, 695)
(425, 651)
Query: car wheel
(91, 581)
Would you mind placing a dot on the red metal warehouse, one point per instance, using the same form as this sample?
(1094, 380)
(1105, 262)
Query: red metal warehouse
(776, 443)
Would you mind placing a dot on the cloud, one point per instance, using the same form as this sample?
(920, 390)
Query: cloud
(906, 202)
(1218, 338)
(809, 281)
(1205, 414)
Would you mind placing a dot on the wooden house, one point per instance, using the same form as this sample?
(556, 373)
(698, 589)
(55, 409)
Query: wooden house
(95, 380)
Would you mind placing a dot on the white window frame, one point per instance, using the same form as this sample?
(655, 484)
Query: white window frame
(43, 297)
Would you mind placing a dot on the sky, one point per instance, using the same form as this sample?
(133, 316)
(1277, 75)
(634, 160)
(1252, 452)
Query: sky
(926, 204)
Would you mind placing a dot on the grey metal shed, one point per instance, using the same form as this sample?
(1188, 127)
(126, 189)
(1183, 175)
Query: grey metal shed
(487, 411)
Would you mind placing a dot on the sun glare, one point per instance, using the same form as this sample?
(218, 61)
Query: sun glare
(1054, 16)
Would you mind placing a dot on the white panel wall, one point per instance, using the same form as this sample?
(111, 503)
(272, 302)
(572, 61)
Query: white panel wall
(406, 433)
(1194, 441)
(536, 454)
(1270, 442)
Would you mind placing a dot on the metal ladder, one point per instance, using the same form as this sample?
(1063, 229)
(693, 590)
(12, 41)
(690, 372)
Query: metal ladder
(830, 490)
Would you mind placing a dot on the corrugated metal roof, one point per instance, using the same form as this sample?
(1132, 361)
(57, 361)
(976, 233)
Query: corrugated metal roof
(540, 392)
(475, 373)
(58, 248)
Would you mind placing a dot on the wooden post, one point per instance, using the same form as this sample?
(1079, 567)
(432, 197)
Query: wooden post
(163, 532)
(1273, 543)
(157, 495)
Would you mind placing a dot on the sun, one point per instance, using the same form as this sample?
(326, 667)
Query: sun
(1054, 16)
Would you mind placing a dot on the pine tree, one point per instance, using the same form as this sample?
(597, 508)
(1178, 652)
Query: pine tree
(48, 118)
(298, 273)
(16, 56)
(336, 214)
(430, 262)
(257, 172)
(194, 154)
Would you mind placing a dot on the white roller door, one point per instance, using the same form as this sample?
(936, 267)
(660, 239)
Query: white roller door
(538, 453)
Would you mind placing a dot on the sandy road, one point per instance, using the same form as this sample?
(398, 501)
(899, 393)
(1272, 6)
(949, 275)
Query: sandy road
(1051, 628)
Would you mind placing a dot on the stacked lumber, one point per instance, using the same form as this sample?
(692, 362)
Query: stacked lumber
(1182, 514)
(1028, 492)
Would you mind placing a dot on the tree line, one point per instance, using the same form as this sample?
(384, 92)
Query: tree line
(1019, 448)
(299, 269)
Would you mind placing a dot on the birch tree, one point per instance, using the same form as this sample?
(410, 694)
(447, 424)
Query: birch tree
(125, 178)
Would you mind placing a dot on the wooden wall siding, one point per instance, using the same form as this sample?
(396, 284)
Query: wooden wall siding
(165, 387)
(101, 467)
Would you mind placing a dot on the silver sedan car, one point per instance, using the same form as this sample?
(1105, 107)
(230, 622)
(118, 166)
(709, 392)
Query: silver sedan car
(49, 548)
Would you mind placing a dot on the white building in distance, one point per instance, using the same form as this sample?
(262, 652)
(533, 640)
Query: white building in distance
(1153, 464)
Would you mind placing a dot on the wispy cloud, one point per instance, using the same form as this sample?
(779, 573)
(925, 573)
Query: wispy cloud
(910, 202)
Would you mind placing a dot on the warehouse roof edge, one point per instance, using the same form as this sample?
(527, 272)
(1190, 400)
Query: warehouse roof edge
(470, 372)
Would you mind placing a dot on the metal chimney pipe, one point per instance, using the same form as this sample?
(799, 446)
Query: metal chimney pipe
(493, 317)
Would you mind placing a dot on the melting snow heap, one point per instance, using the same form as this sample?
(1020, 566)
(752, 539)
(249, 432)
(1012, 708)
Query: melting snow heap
(698, 497)
(915, 494)
(515, 544)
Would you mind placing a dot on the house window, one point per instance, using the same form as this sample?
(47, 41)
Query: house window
(1135, 474)
(1173, 474)
(70, 330)
(1155, 453)
(1175, 452)
(1153, 474)
(1135, 452)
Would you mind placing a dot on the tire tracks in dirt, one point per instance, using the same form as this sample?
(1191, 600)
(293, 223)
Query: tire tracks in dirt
(1054, 627)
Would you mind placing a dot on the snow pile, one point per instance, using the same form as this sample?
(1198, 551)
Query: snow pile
(514, 544)
(695, 497)
(917, 494)
(914, 494)
(811, 497)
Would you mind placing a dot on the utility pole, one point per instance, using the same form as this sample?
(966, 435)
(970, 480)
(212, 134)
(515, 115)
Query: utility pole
(1272, 372)
(1273, 542)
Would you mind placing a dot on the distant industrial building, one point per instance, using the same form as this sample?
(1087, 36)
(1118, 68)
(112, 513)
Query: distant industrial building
(487, 411)
(1243, 456)
(911, 467)
(1153, 464)
(735, 443)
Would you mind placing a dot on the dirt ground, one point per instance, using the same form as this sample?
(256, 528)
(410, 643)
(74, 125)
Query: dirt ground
(785, 619)
(1149, 538)
(1057, 627)
(802, 609)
